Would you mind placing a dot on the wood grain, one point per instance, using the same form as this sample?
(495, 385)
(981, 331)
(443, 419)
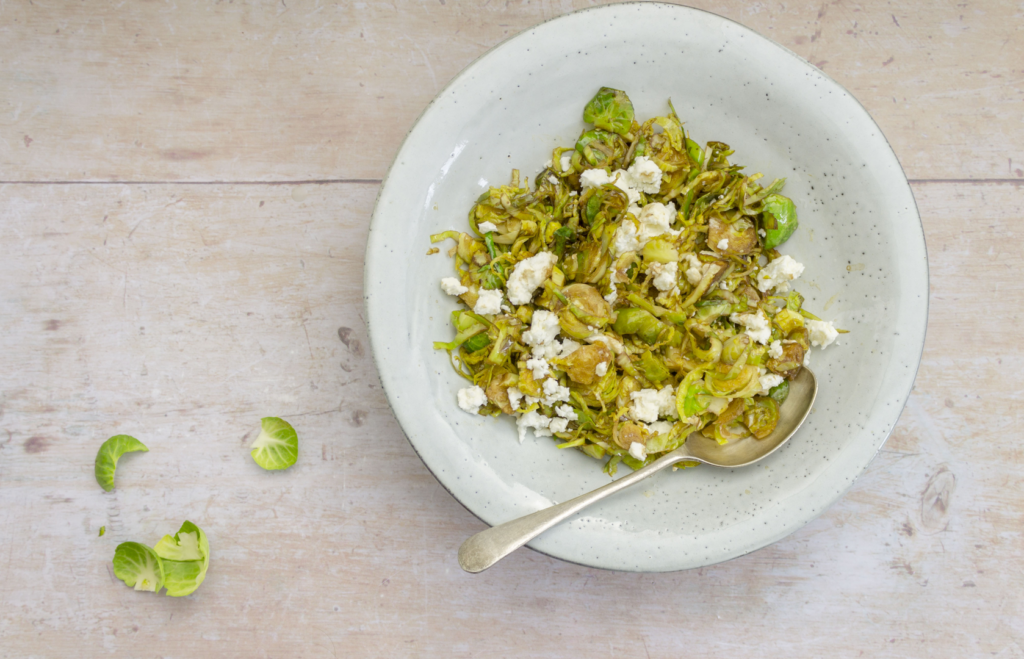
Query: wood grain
(181, 312)
(311, 91)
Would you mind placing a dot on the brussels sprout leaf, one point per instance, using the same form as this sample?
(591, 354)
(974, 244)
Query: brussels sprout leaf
(110, 451)
(185, 558)
(137, 565)
(611, 110)
(277, 446)
(779, 220)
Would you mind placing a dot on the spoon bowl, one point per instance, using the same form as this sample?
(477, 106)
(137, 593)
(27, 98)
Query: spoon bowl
(486, 548)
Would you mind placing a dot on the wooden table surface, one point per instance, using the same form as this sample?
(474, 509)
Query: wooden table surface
(185, 192)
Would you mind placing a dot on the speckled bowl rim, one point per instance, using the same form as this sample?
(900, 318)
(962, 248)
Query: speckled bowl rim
(376, 314)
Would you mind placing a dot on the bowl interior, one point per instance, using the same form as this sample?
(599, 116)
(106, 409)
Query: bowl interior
(860, 239)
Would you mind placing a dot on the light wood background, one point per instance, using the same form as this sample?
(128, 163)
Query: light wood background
(185, 190)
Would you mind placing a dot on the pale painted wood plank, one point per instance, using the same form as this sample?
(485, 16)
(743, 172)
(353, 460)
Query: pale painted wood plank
(181, 313)
(302, 90)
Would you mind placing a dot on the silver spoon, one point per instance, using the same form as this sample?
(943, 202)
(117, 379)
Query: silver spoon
(486, 548)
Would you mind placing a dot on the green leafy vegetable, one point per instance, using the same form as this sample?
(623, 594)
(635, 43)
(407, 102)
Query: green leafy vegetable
(185, 558)
(109, 453)
(610, 109)
(137, 565)
(103, 530)
(277, 446)
(779, 220)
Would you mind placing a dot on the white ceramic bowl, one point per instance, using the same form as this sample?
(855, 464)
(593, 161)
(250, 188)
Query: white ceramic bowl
(860, 237)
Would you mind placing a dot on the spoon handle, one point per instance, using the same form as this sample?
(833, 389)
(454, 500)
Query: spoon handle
(486, 548)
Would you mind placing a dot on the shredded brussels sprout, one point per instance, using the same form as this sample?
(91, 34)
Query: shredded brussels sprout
(641, 294)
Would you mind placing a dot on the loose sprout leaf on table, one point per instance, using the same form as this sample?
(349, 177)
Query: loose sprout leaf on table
(178, 562)
(277, 446)
(108, 455)
(138, 566)
(185, 557)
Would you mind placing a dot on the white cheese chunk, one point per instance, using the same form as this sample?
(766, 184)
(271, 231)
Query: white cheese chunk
(452, 286)
(528, 275)
(779, 271)
(488, 302)
(822, 333)
(471, 399)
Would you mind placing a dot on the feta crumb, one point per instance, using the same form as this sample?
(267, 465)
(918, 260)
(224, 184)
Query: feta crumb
(822, 333)
(656, 220)
(638, 451)
(554, 392)
(723, 244)
(807, 358)
(506, 308)
(665, 275)
(486, 227)
(613, 295)
(566, 347)
(650, 404)
(535, 420)
(645, 175)
(544, 328)
(757, 324)
(528, 275)
(769, 381)
(530, 400)
(565, 161)
(514, 397)
(471, 399)
(775, 349)
(781, 270)
(661, 427)
(451, 286)
(558, 425)
(487, 302)
(552, 180)
(539, 367)
(601, 369)
(595, 178)
(566, 412)
(762, 232)
(625, 239)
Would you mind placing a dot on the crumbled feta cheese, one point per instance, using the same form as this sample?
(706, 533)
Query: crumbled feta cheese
(656, 220)
(530, 400)
(471, 399)
(645, 175)
(595, 178)
(544, 328)
(718, 405)
(665, 275)
(768, 381)
(451, 286)
(695, 269)
(762, 232)
(539, 367)
(822, 333)
(723, 244)
(485, 227)
(566, 412)
(638, 451)
(807, 358)
(565, 161)
(780, 270)
(601, 369)
(758, 326)
(558, 425)
(650, 404)
(528, 275)
(506, 308)
(775, 349)
(625, 239)
(548, 163)
(514, 397)
(552, 180)
(554, 392)
(487, 302)
(535, 420)
(613, 295)
(661, 427)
